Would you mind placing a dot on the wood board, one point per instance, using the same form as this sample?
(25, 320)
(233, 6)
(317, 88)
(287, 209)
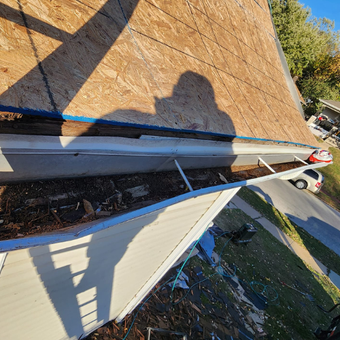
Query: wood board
(209, 65)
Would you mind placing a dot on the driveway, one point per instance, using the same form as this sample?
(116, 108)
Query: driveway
(303, 208)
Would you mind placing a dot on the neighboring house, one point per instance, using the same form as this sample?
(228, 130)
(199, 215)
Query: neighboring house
(331, 109)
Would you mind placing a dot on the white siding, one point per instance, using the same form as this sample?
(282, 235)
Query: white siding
(67, 289)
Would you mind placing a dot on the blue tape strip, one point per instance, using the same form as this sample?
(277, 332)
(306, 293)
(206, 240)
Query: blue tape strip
(59, 115)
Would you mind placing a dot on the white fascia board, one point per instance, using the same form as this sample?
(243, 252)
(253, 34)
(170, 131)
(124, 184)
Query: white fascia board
(26, 158)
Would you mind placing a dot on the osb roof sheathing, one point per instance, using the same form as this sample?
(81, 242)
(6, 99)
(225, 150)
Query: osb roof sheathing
(207, 65)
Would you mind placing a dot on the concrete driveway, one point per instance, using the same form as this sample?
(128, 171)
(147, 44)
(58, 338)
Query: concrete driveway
(303, 208)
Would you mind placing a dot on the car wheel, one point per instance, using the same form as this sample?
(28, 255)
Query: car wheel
(301, 184)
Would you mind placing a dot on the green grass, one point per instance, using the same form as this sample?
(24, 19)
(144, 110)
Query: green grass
(330, 191)
(266, 260)
(317, 249)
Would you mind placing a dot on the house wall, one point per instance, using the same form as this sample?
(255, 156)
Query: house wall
(331, 113)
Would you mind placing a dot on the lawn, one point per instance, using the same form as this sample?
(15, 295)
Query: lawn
(213, 308)
(317, 249)
(266, 260)
(330, 191)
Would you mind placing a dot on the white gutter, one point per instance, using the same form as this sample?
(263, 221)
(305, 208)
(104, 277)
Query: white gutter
(76, 280)
(86, 229)
(25, 158)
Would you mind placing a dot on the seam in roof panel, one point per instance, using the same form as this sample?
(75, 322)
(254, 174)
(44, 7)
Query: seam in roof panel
(193, 16)
(218, 44)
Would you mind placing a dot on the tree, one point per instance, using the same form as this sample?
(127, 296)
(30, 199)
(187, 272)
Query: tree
(302, 38)
(327, 68)
(311, 47)
(314, 89)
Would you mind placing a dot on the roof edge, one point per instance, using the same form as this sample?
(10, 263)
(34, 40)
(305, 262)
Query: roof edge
(330, 105)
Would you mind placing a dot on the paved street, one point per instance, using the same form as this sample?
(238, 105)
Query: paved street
(304, 209)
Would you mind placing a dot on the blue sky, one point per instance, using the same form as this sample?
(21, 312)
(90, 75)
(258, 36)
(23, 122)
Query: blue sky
(325, 8)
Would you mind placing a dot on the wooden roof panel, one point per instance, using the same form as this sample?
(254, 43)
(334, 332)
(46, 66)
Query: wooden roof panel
(209, 65)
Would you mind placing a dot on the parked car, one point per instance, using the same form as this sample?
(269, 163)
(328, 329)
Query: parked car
(311, 180)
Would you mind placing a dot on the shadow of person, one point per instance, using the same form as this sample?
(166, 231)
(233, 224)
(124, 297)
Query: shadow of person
(190, 112)
(191, 107)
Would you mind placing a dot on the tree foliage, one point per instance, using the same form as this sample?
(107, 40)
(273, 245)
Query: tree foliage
(314, 89)
(327, 68)
(302, 38)
(311, 47)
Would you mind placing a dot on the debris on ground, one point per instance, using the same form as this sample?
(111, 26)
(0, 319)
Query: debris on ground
(207, 312)
(188, 304)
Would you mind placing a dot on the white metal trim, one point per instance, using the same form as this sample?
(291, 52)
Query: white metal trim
(27, 158)
(118, 145)
(193, 235)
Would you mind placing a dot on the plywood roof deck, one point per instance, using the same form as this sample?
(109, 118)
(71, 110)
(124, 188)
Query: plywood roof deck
(208, 65)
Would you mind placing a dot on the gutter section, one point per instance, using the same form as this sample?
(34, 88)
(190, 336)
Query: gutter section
(90, 228)
(26, 157)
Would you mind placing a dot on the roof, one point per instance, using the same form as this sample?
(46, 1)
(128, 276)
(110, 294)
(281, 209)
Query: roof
(184, 65)
(331, 104)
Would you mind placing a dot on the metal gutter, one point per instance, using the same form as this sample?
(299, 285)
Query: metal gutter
(103, 224)
(27, 157)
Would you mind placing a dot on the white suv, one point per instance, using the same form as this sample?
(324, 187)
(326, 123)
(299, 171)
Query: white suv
(309, 179)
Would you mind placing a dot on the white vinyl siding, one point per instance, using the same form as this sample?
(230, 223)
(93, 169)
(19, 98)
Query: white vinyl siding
(68, 289)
